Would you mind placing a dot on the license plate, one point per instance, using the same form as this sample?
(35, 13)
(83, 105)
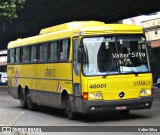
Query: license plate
(121, 108)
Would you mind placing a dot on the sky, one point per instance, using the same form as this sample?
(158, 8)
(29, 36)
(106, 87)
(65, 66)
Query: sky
(139, 19)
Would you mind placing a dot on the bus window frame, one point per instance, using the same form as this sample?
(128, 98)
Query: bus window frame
(38, 60)
(116, 35)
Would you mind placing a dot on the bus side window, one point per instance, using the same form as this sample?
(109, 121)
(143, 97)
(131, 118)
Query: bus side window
(53, 51)
(64, 50)
(34, 53)
(17, 55)
(11, 55)
(43, 52)
(26, 54)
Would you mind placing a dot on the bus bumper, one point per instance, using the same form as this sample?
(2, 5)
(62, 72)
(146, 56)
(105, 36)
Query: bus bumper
(131, 104)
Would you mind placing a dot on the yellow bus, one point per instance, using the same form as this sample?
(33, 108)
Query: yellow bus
(82, 67)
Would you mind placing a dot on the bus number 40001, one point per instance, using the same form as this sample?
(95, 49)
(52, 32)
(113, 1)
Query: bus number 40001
(96, 86)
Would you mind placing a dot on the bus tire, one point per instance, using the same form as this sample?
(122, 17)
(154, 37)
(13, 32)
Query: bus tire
(30, 104)
(158, 85)
(23, 101)
(70, 114)
(124, 113)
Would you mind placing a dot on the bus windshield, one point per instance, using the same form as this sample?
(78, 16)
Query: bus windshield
(110, 55)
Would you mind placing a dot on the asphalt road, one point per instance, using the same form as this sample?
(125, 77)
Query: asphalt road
(11, 114)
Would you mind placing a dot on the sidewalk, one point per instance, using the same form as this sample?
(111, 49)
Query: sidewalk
(9, 116)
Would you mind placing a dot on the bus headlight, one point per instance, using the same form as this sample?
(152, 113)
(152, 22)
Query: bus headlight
(95, 95)
(145, 92)
(91, 95)
(148, 92)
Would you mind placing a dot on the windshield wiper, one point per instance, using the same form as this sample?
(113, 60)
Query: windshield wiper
(109, 69)
(136, 74)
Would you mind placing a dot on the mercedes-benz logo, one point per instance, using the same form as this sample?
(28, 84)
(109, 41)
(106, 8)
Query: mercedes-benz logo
(121, 94)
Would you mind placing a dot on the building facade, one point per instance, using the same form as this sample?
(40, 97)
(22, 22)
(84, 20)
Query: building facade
(152, 32)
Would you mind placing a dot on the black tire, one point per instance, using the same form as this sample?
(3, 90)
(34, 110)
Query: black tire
(124, 113)
(70, 114)
(23, 101)
(158, 85)
(30, 104)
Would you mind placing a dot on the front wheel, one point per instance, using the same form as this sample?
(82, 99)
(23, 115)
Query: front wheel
(158, 85)
(71, 115)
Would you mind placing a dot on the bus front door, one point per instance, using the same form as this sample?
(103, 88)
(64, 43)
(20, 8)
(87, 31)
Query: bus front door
(76, 78)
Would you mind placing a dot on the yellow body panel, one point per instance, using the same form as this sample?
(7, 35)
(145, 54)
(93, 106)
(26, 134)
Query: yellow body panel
(111, 86)
(45, 77)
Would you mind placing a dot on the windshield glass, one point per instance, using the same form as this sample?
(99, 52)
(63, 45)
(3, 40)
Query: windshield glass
(115, 55)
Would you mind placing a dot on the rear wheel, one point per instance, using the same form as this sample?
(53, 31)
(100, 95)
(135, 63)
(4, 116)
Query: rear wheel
(158, 85)
(23, 101)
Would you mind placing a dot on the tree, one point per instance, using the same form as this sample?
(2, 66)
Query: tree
(8, 8)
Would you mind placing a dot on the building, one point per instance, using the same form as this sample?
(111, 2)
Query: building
(152, 32)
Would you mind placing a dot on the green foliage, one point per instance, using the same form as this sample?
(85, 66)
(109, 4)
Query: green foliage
(8, 8)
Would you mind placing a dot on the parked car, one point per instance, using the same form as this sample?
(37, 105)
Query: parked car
(3, 78)
(158, 82)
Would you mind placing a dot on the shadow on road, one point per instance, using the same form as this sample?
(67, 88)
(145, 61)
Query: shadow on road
(90, 118)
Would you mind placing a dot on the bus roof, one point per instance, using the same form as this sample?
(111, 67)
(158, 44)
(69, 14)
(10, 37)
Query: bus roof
(71, 25)
(76, 28)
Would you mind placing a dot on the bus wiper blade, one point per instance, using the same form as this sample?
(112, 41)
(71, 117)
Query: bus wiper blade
(109, 69)
(136, 74)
